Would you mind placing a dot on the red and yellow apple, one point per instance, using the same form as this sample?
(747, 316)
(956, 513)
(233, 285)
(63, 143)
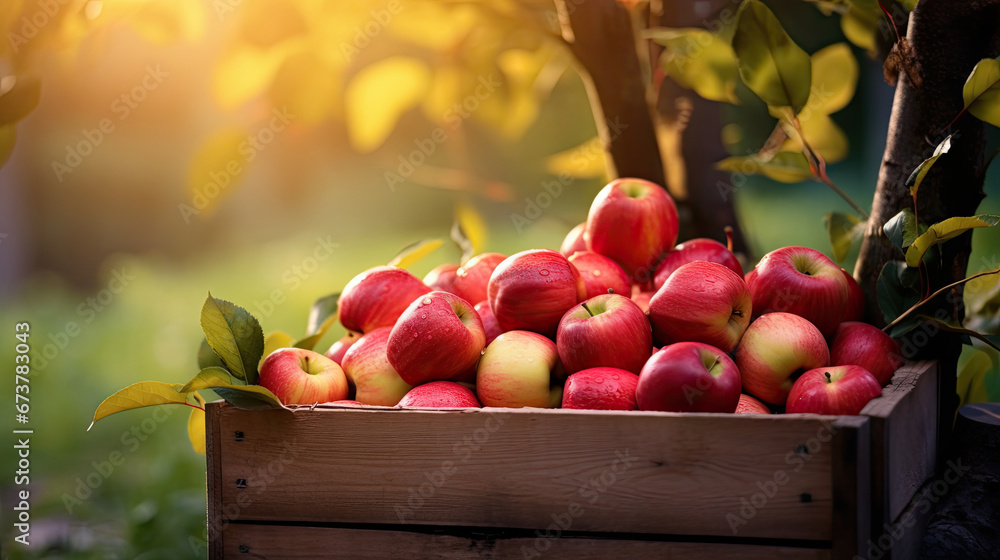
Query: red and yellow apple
(601, 388)
(339, 348)
(775, 350)
(600, 274)
(518, 370)
(689, 377)
(531, 291)
(608, 330)
(833, 390)
(750, 405)
(368, 370)
(440, 394)
(861, 344)
(299, 376)
(473, 278)
(576, 240)
(377, 297)
(700, 249)
(442, 278)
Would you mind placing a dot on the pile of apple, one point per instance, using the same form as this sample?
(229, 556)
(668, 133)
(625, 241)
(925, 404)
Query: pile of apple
(618, 319)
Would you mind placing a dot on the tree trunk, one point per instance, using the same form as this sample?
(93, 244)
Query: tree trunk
(600, 35)
(947, 39)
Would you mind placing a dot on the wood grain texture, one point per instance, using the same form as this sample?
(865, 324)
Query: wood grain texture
(637, 472)
(904, 439)
(213, 458)
(314, 543)
(851, 486)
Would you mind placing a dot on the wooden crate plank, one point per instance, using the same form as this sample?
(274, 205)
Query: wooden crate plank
(315, 543)
(214, 483)
(852, 487)
(692, 474)
(904, 439)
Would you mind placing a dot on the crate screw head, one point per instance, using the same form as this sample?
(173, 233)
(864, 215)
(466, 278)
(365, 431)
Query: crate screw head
(241, 483)
(244, 549)
(239, 436)
(801, 450)
(805, 497)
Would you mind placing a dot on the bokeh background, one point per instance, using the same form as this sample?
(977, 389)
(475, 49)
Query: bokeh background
(110, 238)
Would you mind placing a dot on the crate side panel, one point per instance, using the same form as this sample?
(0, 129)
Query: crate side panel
(906, 445)
(315, 543)
(724, 475)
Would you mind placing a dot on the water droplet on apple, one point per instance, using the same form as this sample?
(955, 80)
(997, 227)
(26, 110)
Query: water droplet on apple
(423, 315)
(429, 337)
(597, 273)
(426, 301)
(531, 360)
(599, 380)
(543, 272)
(415, 335)
(615, 376)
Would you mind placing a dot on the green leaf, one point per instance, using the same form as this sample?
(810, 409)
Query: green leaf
(901, 229)
(894, 296)
(235, 335)
(139, 395)
(414, 252)
(786, 167)
(974, 365)
(249, 397)
(196, 426)
(699, 60)
(844, 230)
(208, 378)
(770, 63)
(19, 96)
(945, 230)
(981, 92)
(918, 174)
(322, 317)
(207, 357)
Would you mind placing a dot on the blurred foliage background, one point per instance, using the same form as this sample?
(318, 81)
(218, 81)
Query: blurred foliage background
(181, 146)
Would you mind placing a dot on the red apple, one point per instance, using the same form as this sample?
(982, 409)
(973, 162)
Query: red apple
(855, 310)
(339, 348)
(440, 394)
(600, 274)
(802, 281)
(689, 377)
(701, 302)
(299, 376)
(518, 370)
(576, 240)
(531, 291)
(376, 298)
(775, 349)
(368, 370)
(633, 222)
(490, 325)
(701, 249)
(750, 405)
(608, 330)
(601, 388)
(439, 336)
(861, 344)
(472, 279)
(833, 390)
(442, 278)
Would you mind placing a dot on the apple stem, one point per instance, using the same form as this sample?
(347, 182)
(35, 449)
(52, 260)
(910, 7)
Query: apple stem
(737, 312)
(729, 238)
(584, 304)
(828, 378)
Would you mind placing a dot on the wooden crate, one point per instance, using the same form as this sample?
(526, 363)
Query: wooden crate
(374, 482)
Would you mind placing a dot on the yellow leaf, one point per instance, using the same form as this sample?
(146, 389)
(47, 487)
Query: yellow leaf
(245, 71)
(217, 168)
(786, 167)
(414, 252)
(443, 92)
(583, 162)
(860, 26)
(823, 136)
(943, 231)
(834, 79)
(433, 26)
(971, 385)
(139, 395)
(472, 224)
(208, 378)
(379, 95)
(276, 340)
(699, 60)
(196, 426)
(307, 86)
(982, 91)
